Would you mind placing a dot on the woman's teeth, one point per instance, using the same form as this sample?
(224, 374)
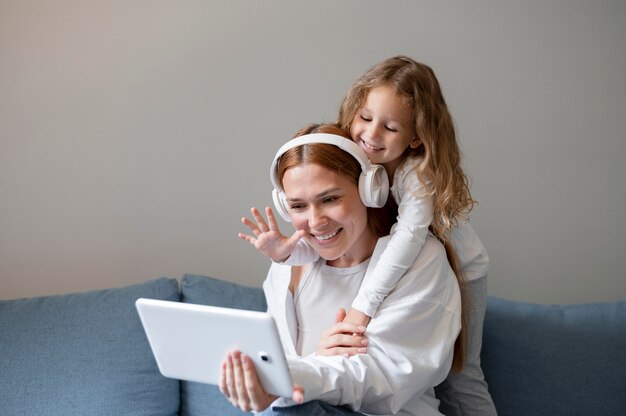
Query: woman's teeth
(326, 236)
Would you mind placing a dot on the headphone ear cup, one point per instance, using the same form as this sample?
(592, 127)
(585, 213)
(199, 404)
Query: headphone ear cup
(280, 202)
(374, 186)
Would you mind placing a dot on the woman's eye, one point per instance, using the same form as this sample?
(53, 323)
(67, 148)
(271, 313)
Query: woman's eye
(330, 200)
(296, 207)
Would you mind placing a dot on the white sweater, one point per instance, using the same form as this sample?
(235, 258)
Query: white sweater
(411, 340)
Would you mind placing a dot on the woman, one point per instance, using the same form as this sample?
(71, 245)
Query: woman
(409, 345)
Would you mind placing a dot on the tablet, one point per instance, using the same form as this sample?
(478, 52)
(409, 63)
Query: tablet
(190, 342)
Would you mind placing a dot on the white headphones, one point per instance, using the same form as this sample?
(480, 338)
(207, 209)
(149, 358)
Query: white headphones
(373, 181)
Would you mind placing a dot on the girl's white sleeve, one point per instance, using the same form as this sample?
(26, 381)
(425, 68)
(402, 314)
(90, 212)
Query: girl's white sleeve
(302, 254)
(415, 214)
(472, 255)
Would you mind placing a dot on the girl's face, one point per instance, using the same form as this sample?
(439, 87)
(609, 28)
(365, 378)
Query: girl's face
(327, 206)
(384, 128)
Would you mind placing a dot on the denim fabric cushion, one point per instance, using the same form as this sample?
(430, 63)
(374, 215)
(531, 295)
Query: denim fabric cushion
(555, 360)
(203, 399)
(83, 354)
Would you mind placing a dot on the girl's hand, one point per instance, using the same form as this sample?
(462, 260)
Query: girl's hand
(344, 338)
(268, 238)
(357, 317)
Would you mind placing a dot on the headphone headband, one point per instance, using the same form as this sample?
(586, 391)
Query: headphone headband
(373, 181)
(323, 138)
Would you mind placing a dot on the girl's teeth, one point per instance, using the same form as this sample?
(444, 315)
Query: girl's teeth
(326, 236)
(369, 146)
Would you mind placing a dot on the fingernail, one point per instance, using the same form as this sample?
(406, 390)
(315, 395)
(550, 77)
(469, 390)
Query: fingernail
(361, 350)
(361, 328)
(364, 342)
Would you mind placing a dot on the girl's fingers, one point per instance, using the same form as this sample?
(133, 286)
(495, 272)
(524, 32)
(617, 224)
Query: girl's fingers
(344, 328)
(341, 313)
(344, 340)
(346, 352)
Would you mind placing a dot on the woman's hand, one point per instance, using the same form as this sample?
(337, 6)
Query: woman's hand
(268, 238)
(344, 338)
(241, 386)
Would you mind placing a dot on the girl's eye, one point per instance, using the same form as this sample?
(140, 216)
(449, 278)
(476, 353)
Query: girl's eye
(365, 118)
(391, 129)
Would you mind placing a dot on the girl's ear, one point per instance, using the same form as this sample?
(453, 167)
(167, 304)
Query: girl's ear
(415, 143)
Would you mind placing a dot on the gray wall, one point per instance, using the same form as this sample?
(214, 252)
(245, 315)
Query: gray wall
(135, 134)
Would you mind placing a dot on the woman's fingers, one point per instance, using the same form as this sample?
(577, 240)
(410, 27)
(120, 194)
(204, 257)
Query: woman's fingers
(240, 384)
(230, 382)
(259, 398)
(223, 386)
(259, 220)
(243, 400)
(271, 219)
(298, 394)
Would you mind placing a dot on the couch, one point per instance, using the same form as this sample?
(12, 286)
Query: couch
(87, 354)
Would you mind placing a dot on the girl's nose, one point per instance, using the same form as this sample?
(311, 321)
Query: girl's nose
(372, 131)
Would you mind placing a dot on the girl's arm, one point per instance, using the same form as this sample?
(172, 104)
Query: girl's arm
(415, 214)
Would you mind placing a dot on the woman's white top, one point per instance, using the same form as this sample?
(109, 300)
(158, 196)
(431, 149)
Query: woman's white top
(313, 291)
(415, 214)
(411, 338)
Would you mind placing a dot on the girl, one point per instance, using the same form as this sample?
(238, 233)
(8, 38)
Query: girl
(397, 114)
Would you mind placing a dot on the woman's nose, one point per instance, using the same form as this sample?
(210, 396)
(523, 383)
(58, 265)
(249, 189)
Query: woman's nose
(317, 218)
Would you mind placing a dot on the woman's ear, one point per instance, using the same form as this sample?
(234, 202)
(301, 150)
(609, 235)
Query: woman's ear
(415, 143)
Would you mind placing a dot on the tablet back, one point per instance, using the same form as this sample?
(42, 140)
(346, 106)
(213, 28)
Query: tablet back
(190, 342)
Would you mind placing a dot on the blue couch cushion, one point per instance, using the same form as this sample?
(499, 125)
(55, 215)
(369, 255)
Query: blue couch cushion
(83, 354)
(202, 399)
(555, 360)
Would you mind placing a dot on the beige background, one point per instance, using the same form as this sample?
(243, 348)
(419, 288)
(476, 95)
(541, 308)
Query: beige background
(135, 134)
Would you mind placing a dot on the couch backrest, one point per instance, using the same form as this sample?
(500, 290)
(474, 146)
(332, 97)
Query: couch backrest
(83, 354)
(555, 360)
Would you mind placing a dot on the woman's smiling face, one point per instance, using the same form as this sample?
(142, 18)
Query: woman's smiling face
(327, 206)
